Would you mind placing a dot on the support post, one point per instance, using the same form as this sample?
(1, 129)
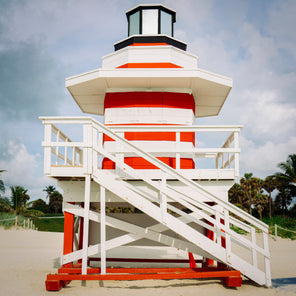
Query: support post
(266, 260)
(103, 229)
(86, 224)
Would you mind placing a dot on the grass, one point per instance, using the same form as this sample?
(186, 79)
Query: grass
(284, 222)
(50, 224)
(43, 223)
(9, 220)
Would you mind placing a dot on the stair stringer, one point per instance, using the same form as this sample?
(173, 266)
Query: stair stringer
(119, 187)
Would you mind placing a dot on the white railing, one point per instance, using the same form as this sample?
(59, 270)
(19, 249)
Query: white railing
(61, 153)
(91, 148)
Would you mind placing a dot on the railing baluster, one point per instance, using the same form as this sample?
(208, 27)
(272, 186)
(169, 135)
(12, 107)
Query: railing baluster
(119, 156)
(266, 259)
(236, 155)
(73, 156)
(218, 231)
(163, 200)
(94, 153)
(66, 153)
(254, 253)
(57, 148)
(227, 236)
(47, 149)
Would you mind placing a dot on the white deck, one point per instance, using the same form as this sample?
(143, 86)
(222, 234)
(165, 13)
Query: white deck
(176, 200)
(66, 158)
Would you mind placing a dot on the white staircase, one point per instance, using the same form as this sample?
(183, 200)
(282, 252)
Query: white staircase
(182, 211)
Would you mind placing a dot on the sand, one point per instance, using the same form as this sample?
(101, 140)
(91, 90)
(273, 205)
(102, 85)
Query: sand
(26, 257)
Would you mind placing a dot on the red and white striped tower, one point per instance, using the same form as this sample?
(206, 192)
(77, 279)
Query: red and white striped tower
(150, 79)
(150, 45)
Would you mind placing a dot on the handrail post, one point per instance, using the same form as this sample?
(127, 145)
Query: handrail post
(254, 253)
(227, 236)
(236, 154)
(163, 200)
(57, 148)
(87, 151)
(103, 229)
(119, 155)
(86, 224)
(94, 152)
(266, 259)
(47, 149)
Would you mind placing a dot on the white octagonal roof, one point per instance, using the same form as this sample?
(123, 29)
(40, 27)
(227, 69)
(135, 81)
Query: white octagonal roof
(209, 90)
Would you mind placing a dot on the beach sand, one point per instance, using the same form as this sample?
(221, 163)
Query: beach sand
(26, 257)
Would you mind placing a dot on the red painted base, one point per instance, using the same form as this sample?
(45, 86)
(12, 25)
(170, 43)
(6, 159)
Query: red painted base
(55, 282)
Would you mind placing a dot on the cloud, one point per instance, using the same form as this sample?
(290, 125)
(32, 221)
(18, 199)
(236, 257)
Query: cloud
(281, 24)
(21, 168)
(31, 82)
(266, 117)
(263, 159)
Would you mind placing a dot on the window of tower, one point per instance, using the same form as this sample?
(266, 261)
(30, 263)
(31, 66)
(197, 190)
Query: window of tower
(150, 21)
(134, 23)
(166, 26)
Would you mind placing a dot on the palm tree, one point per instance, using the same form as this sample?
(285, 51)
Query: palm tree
(56, 201)
(260, 202)
(283, 200)
(288, 176)
(251, 187)
(18, 199)
(2, 187)
(269, 184)
(50, 189)
(5, 205)
(235, 195)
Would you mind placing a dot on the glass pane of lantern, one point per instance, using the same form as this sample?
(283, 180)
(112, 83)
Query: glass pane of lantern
(166, 24)
(150, 21)
(134, 23)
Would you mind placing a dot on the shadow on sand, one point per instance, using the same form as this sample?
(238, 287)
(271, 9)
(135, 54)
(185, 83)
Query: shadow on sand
(283, 282)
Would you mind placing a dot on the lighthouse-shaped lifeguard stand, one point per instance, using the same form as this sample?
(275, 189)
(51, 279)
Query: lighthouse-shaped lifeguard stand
(174, 217)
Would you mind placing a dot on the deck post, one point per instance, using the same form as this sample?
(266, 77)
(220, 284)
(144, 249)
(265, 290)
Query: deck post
(266, 259)
(86, 224)
(103, 228)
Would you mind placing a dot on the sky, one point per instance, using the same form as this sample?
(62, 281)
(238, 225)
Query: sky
(44, 42)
